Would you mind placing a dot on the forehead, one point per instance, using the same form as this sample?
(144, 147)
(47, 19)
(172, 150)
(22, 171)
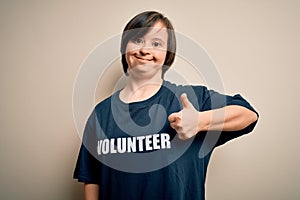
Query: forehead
(159, 30)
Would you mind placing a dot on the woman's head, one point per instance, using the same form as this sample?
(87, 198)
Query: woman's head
(139, 26)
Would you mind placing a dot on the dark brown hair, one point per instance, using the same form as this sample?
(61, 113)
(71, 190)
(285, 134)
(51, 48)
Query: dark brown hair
(138, 28)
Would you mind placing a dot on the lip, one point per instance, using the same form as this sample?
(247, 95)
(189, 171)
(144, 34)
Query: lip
(143, 59)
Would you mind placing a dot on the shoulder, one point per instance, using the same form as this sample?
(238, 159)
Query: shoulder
(197, 94)
(175, 86)
(105, 105)
(197, 90)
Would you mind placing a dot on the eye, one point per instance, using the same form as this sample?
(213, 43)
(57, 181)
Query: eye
(138, 41)
(156, 44)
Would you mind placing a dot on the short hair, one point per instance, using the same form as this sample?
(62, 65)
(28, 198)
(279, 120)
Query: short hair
(138, 28)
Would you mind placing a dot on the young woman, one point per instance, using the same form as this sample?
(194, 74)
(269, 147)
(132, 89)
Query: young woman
(143, 142)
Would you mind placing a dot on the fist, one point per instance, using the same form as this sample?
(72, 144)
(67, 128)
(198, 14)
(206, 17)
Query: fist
(186, 121)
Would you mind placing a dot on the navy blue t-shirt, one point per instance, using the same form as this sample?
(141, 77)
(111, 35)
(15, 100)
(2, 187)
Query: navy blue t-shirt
(131, 151)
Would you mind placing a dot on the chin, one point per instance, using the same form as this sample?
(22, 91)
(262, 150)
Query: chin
(147, 71)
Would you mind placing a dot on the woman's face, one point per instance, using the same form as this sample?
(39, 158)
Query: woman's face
(148, 53)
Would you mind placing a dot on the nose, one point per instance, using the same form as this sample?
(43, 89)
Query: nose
(145, 49)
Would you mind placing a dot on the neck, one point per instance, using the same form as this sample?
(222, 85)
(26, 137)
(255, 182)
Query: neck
(140, 89)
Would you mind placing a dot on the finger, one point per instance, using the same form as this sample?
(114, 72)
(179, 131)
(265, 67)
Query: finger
(185, 101)
(173, 117)
(174, 126)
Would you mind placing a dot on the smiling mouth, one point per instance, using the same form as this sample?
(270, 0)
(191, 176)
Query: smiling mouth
(143, 59)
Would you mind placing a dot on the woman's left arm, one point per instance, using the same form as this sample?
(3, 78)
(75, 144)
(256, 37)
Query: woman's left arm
(228, 118)
(188, 122)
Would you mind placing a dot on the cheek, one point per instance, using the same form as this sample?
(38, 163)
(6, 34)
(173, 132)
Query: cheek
(131, 47)
(128, 60)
(161, 56)
(129, 51)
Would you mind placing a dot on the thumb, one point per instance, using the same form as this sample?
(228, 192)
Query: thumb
(185, 101)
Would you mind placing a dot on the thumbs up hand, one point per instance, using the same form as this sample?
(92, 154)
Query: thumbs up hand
(185, 122)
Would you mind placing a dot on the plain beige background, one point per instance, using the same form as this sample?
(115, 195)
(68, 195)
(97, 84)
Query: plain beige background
(255, 45)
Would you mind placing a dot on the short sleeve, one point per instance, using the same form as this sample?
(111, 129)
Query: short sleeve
(87, 166)
(214, 100)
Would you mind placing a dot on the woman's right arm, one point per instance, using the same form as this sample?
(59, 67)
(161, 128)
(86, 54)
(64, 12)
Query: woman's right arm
(91, 191)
